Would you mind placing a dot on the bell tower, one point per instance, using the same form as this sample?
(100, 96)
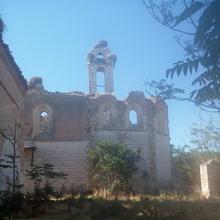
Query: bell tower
(101, 60)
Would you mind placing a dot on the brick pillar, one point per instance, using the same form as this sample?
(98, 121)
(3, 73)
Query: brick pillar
(100, 59)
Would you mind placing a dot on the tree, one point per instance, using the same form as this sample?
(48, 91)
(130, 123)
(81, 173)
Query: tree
(204, 145)
(112, 165)
(185, 168)
(43, 177)
(10, 161)
(11, 199)
(202, 46)
(206, 140)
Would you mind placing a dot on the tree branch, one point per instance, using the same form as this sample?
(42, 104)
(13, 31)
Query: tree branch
(151, 11)
(191, 19)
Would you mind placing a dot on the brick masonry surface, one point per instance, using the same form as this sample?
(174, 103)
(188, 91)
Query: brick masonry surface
(75, 121)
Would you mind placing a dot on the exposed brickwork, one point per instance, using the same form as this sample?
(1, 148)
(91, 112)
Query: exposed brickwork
(82, 117)
(100, 59)
(76, 121)
(12, 90)
(69, 120)
(68, 157)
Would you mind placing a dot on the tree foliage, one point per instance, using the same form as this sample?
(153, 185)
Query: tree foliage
(13, 136)
(206, 140)
(112, 165)
(204, 145)
(11, 199)
(163, 90)
(43, 177)
(202, 50)
(10, 203)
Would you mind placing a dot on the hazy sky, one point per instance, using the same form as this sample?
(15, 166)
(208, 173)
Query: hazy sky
(51, 39)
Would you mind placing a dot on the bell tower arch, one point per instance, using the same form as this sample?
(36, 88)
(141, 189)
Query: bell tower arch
(100, 60)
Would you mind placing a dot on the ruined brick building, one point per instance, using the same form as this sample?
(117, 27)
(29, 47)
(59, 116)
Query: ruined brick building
(59, 128)
(13, 87)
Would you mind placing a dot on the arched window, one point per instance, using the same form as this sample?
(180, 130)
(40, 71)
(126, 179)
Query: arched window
(100, 59)
(133, 117)
(100, 77)
(107, 116)
(44, 122)
(100, 56)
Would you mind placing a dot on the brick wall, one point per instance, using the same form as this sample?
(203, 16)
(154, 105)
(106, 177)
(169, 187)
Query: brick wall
(80, 118)
(12, 90)
(139, 142)
(68, 157)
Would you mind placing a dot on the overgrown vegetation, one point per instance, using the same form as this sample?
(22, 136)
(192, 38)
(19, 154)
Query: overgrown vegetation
(43, 177)
(204, 146)
(163, 207)
(9, 161)
(201, 47)
(11, 199)
(112, 166)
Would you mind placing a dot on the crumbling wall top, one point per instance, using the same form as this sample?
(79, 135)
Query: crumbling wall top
(36, 84)
(101, 55)
(101, 44)
(136, 96)
(158, 102)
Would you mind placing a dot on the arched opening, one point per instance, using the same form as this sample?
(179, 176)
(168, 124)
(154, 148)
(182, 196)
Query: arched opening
(107, 116)
(100, 59)
(44, 122)
(133, 117)
(100, 56)
(100, 79)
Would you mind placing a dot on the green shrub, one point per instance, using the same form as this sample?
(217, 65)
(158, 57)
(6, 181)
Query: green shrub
(112, 165)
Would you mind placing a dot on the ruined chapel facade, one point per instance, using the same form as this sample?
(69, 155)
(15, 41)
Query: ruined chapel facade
(61, 127)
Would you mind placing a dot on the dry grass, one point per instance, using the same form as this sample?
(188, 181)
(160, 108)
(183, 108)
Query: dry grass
(163, 207)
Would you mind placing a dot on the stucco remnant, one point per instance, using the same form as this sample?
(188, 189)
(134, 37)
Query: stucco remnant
(210, 178)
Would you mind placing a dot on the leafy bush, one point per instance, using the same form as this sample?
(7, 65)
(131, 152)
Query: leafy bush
(10, 203)
(42, 176)
(112, 166)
